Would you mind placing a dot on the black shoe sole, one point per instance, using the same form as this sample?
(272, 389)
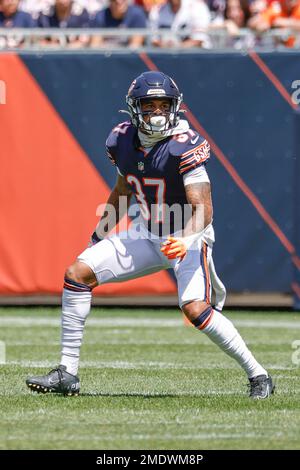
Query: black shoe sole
(41, 389)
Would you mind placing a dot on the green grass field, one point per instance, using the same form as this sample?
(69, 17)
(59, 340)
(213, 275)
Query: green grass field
(148, 382)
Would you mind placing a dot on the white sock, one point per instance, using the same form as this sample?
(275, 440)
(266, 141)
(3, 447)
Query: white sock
(75, 309)
(223, 333)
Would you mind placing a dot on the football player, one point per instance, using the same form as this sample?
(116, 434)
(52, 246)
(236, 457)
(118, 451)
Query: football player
(162, 161)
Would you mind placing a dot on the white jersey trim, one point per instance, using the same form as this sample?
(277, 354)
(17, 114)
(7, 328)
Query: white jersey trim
(197, 175)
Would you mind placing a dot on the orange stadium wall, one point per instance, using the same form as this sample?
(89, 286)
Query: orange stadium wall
(56, 111)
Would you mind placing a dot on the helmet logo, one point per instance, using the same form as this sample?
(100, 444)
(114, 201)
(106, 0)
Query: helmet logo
(156, 91)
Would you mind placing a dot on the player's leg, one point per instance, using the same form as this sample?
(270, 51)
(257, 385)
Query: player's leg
(111, 260)
(76, 303)
(194, 288)
(114, 259)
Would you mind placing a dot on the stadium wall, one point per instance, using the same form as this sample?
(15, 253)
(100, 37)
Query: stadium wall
(58, 111)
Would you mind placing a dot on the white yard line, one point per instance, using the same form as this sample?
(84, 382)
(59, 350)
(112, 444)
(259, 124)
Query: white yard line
(163, 437)
(139, 365)
(105, 342)
(205, 436)
(119, 365)
(113, 322)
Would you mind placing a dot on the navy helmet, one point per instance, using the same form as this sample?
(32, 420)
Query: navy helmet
(150, 85)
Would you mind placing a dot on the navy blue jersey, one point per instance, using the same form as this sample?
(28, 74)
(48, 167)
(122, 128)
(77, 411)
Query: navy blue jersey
(20, 19)
(134, 17)
(78, 19)
(156, 177)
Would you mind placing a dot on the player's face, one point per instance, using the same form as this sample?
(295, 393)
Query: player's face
(155, 107)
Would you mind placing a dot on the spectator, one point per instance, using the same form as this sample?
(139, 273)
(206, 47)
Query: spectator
(177, 16)
(36, 7)
(257, 6)
(66, 14)
(292, 21)
(92, 6)
(11, 16)
(217, 10)
(278, 14)
(120, 14)
(236, 15)
(147, 5)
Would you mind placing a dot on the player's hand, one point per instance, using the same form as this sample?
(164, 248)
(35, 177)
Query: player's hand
(94, 239)
(174, 248)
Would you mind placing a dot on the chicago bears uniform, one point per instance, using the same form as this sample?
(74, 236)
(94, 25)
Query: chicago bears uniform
(156, 175)
(162, 161)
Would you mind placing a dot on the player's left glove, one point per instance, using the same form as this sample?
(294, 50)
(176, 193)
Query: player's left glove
(174, 248)
(94, 239)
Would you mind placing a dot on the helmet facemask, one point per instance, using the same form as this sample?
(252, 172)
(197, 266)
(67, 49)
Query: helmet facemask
(158, 123)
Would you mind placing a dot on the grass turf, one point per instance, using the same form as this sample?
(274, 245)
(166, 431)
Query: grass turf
(148, 382)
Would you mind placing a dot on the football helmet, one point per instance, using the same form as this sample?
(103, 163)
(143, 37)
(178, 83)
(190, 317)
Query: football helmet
(151, 85)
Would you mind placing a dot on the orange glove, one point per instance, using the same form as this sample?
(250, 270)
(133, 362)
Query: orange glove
(174, 248)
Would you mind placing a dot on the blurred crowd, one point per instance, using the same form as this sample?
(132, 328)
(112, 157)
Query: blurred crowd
(175, 23)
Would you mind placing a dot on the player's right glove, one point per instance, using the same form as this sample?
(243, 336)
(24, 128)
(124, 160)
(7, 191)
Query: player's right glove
(174, 248)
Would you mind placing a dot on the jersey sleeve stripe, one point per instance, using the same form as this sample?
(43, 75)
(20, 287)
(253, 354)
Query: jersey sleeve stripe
(188, 160)
(195, 149)
(193, 160)
(196, 163)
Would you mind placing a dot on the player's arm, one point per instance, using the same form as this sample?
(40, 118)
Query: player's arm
(116, 207)
(193, 157)
(199, 198)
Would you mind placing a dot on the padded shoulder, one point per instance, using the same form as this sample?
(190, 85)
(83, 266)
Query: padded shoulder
(191, 149)
(182, 143)
(112, 141)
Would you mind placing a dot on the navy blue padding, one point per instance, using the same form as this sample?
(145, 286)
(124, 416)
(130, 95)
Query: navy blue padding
(69, 284)
(202, 317)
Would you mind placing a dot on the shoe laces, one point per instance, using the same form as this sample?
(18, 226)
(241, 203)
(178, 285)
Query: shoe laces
(59, 373)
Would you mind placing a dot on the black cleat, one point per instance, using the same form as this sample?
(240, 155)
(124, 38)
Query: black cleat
(261, 387)
(56, 381)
